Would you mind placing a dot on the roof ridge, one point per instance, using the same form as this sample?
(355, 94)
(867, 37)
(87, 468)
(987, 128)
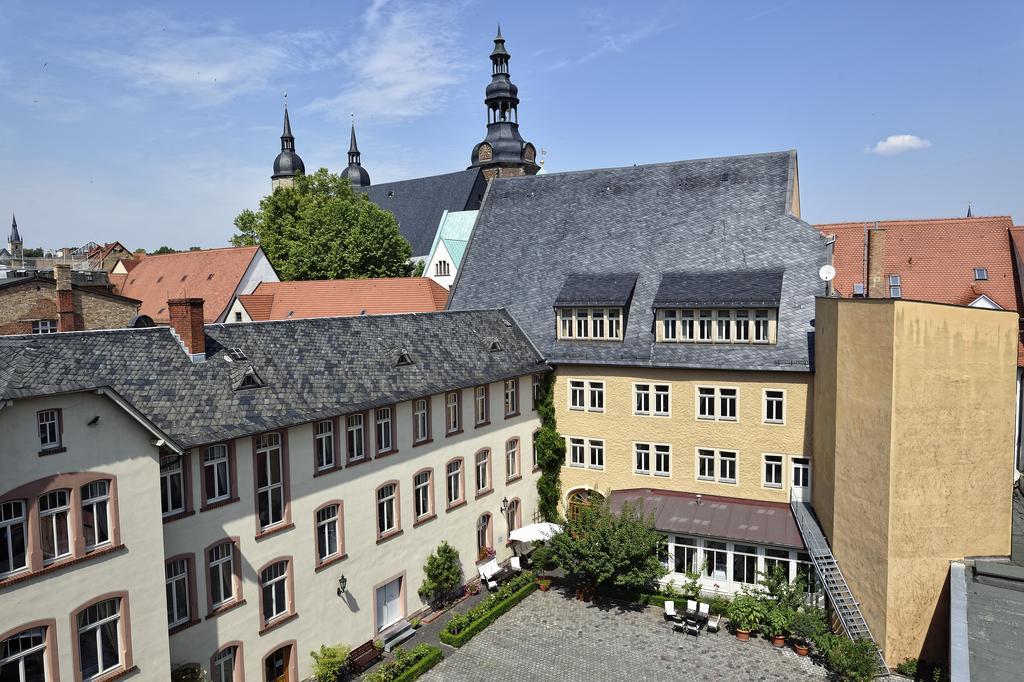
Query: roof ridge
(425, 177)
(657, 164)
(216, 248)
(914, 220)
(344, 317)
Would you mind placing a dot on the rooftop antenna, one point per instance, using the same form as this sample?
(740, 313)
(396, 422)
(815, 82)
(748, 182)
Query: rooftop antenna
(969, 214)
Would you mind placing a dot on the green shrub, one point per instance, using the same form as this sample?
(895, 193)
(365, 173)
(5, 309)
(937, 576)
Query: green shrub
(188, 672)
(442, 573)
(777, 621)
(406, 665)
(808, 624)
(329, 662)
(850, 661)
(778, 589)
(719, 605)
(747, 612)
(462, 626)
(908, 667)
(543, 558)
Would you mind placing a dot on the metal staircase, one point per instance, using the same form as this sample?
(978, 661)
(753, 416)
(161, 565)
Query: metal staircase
(839, 594)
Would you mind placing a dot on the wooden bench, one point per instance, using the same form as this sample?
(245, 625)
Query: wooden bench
(363, 656)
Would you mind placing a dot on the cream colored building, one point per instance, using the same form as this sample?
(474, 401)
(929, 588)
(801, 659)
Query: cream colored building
(265, 488)
(913, 413)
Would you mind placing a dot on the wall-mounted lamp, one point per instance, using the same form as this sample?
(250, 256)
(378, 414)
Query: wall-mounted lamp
(504, 505)
(342, 584)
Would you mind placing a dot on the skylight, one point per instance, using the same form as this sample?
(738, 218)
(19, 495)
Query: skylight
(980, 274)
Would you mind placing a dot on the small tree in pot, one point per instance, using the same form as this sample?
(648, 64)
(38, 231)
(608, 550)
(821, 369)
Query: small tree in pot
(442, 574)
(746, 613)
(805, 626)
(777, 624)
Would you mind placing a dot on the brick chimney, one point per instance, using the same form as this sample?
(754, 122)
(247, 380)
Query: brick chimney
(66, 321)
(875, 275)
(187, 326)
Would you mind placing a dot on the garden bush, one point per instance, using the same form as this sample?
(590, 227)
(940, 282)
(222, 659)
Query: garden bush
(442, 573)
(849, 660)
(329, 662)
(747, 612)
(808, 624)
(462, 626)
(908, 667)
(719, 605)
(406, 665)
(188, 672)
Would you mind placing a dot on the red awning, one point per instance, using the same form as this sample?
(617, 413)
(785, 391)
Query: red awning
(762, 523)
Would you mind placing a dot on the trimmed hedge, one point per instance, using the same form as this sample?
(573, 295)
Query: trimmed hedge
(391, 671)
(492, 614)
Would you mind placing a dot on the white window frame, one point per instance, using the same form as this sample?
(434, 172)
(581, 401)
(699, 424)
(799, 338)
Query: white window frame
(421, 494)
(799, 461)
(44, 326)
(95, 627)
(669, 325)
(595, 394)
(355, 436)
(171, 466)
(717, 401)
(175, 582)
(767, 401)
(662, 391)
(728, 456)
(662, 459)
(895, 283)
(741, 322)
(223, 564)
(707, 457)
(383, 418)
(723, 326)
(577, 395)
(642, 459)
(705, 325)
(12, 515)
(216, 458)
(96, 494)
(271, 447)
(596, 323)
(387, 519)
(453, 483)
(778, 465)
(223, 668)
(511, 397)
(481, 467)
(595, 453)
(33, 650)
(278, 576)
(324, 444)
(49, 429)
(576, 446)
(722, 401)
(53, 516)
(642, 399)
(327, 518)
(512, 462)
(762, 325)
(453, 411)
(481, 408)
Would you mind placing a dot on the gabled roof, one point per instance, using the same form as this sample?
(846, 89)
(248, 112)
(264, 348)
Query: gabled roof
(419, 204)
(935, 259)
(454, 232)
(705, 215)
(339, 297)
(736, 289)
(309, 369)
(211, 274)
(78, 283)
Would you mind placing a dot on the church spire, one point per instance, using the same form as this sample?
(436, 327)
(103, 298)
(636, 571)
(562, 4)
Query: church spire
(15, 237)
(503, 152)
(288, 164)
(355, 172)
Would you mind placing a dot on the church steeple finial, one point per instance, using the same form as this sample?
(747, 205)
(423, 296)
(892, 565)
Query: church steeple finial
(503, 151)
(355, 172)
(288, 164)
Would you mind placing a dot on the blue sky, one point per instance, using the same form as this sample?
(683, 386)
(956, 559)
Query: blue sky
(156, 124)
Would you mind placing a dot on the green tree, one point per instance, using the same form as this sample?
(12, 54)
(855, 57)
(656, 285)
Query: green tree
(163, 250)
(598, 548)
(442, 573)
(320, 228)
(329, 663)
(32, 253)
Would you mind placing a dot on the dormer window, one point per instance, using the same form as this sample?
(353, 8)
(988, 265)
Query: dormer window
(739, 307)
(980, 274)
(403, 359)
(594, 306)
(249, 379)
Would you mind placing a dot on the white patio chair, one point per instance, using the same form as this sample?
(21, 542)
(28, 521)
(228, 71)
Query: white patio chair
(704, 609)
(691, 605)
(670, 610)
(714, 623)
(692, 628)
(516, 563)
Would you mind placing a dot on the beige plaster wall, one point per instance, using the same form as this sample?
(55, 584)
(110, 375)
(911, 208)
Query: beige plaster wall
(119, 446)
(749, 435)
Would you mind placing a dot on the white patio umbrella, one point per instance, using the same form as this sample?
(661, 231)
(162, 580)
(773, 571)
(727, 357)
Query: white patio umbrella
(535, 532)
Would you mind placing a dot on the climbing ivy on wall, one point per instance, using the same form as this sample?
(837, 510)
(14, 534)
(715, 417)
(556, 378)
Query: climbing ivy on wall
(550, 453)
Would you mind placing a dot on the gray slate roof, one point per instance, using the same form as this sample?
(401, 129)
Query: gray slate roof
(596, 289)
(995, 620)
(419, 203)
(310, 369)
(705, 215)
(707, 289)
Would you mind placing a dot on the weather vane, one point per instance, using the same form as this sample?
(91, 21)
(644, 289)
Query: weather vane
(285, 99)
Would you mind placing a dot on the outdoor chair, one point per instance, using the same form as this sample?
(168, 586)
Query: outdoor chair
(704, 609)
(670, 610)
(516, 564)
(691, 605)
(693, 628)
(714, 623)
(679, 625)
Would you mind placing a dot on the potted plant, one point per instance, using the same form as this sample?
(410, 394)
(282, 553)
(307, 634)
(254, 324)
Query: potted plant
(544, 583)
(746, 613)
(473, 587)
(804, 627)
(777, 622)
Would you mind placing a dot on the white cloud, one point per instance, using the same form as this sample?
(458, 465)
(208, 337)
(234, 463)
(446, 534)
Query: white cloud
(403, 64)
(898, 144)
(611, 35)
(207, 64)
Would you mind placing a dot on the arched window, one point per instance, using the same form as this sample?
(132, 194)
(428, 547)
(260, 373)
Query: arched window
(579, 498)
(23, 656)
(483, 534)
(512, 517)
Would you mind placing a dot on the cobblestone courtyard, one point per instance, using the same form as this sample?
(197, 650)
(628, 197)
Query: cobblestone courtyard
(550, 637)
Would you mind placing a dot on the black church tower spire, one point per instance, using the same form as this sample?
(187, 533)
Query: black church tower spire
(355, 171)
(288, 164)
(503, 152)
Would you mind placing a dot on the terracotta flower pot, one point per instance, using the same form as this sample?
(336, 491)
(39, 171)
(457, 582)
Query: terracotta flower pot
(800, 649)
(778, 641)
(544, 585)
(742, 635)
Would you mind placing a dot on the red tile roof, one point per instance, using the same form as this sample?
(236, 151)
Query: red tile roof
(935, 259)
(212, 274)
(342, 297)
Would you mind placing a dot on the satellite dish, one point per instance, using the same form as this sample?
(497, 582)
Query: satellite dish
(827, 273)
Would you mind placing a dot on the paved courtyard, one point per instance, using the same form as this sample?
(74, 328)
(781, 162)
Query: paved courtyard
(551, 637)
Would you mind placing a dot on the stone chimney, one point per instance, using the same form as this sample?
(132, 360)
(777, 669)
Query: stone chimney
(187, 326)
(876, 284)
(66, 321)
